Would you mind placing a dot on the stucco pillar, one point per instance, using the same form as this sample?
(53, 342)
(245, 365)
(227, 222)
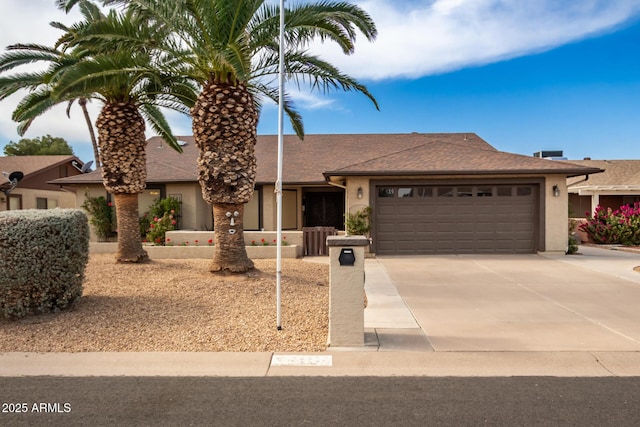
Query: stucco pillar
(595, 202)
(346, 290)
(556, 214)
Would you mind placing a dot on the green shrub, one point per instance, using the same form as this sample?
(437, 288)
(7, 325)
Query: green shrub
(102, 216)
(43, 255)
(159, 226)
(163, 216)
(359, 224)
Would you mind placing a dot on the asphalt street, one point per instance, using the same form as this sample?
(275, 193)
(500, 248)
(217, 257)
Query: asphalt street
(293, 401)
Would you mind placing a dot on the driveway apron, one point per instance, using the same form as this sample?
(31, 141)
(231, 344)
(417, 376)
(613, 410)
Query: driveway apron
(585, 302)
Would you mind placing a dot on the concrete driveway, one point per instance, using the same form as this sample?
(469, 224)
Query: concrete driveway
(587, 302)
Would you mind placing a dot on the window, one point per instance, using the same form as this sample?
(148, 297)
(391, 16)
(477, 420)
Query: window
(445, 191)
(41, 203)
(405, 192)
(424, 191)
(524, 191)
(464, 192)
(386, 192)
(485, 192)
(504, 191)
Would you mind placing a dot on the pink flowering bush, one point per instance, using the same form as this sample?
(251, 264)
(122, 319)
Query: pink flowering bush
(159, 226)
(620, 226)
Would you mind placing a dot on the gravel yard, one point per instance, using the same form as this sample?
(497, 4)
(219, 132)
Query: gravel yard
(177, 305)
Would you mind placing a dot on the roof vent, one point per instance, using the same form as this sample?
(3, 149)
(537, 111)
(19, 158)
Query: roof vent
(550, 154)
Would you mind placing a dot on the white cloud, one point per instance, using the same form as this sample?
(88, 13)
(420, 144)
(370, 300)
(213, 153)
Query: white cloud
(418, 38)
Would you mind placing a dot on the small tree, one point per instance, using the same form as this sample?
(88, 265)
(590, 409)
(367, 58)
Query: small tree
(42, 146)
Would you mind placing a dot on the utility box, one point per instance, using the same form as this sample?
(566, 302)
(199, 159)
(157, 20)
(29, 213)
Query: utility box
(346, 290)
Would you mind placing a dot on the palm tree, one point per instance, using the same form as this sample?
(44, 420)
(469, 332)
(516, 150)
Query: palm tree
(231, 49)
(82, 102)
(110, 58)
(67, 5)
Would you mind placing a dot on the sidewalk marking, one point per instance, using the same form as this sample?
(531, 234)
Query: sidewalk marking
(297, 360)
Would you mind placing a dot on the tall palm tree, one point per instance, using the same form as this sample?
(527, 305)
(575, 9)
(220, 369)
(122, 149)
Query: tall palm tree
(110, 58)
(82, 102)
(231, 49)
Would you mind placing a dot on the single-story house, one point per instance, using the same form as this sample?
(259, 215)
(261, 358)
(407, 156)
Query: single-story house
(429, 193)
(33, 190)
(618, 185)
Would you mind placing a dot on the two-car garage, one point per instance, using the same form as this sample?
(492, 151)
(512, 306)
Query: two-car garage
(422, 217)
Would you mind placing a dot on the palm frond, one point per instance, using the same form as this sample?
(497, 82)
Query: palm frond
(160, 125)
(273, 93)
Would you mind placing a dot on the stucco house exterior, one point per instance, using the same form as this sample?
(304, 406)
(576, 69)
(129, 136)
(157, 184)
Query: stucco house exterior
(618, 185)
(34, 190)
(439, 193)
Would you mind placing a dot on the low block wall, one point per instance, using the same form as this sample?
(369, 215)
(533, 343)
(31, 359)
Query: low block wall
(199, 252)
(581, 235)
(180, 237)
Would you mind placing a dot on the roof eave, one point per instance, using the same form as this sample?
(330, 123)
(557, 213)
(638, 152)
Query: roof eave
(567, 172)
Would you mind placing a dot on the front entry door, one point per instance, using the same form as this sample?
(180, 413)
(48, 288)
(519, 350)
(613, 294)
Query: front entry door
(324, 209)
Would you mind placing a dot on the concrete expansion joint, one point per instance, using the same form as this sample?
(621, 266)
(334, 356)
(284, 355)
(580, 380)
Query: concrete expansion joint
(599, 362)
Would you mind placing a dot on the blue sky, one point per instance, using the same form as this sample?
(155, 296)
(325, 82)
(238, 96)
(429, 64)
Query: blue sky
(525, 76)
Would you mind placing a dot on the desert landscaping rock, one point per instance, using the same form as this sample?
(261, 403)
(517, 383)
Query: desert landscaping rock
(177, 305)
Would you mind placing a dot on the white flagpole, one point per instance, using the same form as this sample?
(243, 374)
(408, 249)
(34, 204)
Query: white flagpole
(279, 179)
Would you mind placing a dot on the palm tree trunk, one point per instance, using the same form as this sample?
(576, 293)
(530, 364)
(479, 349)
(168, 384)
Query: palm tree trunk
(224, 128)
(124, 172)
(96, 154)
(229, 253)
(129, 244)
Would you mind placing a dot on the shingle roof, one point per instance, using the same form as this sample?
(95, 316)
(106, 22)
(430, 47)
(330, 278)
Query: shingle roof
(309, 161)
(443, 157)
(618, 174)
(29, 165)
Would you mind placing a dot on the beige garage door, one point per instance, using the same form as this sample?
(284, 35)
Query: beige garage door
(455, 219)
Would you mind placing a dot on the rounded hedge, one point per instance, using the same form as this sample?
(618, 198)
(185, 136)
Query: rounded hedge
(43, 256)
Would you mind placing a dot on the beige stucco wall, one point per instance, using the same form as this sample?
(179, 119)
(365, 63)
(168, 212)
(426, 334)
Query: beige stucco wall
(56, 199)
(93, 191)
(268, 207)
(291, 208)
(197, 213)
(556, 214)
(354, 204)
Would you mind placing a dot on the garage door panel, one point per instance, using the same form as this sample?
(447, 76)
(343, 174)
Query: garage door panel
(385, 210)
(489, 224)
(386, 227)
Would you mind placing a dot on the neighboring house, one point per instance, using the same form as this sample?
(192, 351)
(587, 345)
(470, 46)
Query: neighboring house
(34, 190)
(618, 185)
(429, 193)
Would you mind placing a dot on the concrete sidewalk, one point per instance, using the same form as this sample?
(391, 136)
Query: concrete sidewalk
(520, 315)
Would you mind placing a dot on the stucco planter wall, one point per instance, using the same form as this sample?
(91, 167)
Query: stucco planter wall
(179, 237)
(195, 252)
